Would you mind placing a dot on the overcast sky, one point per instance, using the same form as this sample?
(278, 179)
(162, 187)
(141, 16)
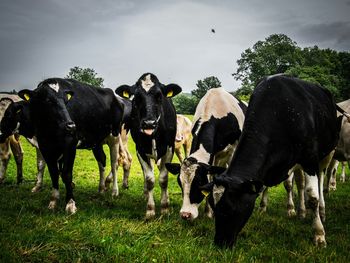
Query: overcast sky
(121, 40)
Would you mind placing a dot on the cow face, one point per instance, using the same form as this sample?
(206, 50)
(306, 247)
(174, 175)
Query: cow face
(234, 208)
(16, 120)
(148, 96)
(50, 101)
(192, 175)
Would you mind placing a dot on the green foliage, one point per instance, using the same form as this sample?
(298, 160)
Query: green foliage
(185, 104)
(204, 85)
(109, 229)
(86, 75)
(279, 54)
(274, 55)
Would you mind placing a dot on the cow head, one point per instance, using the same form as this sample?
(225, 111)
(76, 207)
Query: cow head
(233, 209)
(148, 96)
(50, 101)
(16, 120)
(191, 176)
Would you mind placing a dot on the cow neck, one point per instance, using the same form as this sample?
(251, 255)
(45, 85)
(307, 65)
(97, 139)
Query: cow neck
(250, 158)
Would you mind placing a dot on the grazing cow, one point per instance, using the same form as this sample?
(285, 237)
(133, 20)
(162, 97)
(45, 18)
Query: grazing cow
(218, 122)
(153, 128)
(12, 142)
(288, 122)
(342, 152)
(67, 115)
(183, 136)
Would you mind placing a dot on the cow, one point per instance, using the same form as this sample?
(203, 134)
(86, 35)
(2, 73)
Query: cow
(217, 125)
(289, 122)
(153, 128)
(342, 152)
(12, 142)
(183, 136)
(17, 119)
(66, 115)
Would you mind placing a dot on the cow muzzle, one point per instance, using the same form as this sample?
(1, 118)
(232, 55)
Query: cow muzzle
(149, 126)
(186, 215)
(70, 127)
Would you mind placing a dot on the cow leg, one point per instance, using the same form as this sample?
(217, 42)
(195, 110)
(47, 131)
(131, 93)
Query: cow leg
(18, 155)
(187, 147)
(300, 182)
(5, 156)
(312, 201)
(101, 161)
(149, 179)
(288, 185)
(67, 175)
(40, 164)
(331, 176)
(126, 169)
(163, 181)
(342, 175)
(323, 166)
(54, 174)
(264, 199)
(179, 154)
(113, 144)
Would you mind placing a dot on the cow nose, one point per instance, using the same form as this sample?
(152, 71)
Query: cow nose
(70, 126)
(185, 215)
(149, 123)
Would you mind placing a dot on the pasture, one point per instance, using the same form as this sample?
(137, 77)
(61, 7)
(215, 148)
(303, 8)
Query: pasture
(114, 230)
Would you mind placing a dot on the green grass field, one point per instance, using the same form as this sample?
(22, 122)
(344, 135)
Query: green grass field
(114, 230)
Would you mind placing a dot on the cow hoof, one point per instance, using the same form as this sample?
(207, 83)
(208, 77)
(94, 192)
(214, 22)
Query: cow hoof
(36, 188)
(262, 209)
(320, 241)
(2, 180)
(107, 183)
(302, 214)
(70, 207)
(101, 189)
(150, 214)
(115, 193)
(125, 186)
(52, 205)
(165, 211)
(291, 213)
(19, 180)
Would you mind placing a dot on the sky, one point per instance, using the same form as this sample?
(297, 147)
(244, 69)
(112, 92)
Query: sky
(121, 40)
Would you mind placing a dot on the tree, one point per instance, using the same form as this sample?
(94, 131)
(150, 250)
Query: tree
(86, 75)
(185, 104)
(275, 55)
(204, 85)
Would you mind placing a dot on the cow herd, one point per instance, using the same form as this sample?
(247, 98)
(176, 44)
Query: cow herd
(289, 131)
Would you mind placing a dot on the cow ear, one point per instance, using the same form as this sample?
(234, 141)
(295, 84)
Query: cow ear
(207, 188)
(171, 90)
(125, 91)
(25, 94)
(173, 168)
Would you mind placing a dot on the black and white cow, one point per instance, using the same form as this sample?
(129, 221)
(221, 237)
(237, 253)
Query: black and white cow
(217, 125)
(289, 122)
(67, 115)
(153, 129)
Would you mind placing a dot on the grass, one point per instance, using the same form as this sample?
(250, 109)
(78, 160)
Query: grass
(114, 230)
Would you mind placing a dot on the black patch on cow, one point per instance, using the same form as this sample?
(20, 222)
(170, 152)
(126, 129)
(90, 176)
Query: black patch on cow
(200, 179)
(215, 134)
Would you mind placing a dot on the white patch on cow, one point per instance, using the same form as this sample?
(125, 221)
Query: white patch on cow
(218, 191)
(55, 86)
(218, 103)
(147, 83)
(187, 174)
(70, 207)
(55, 195)
(79, 143)
(201, 154)
(17, 127)
(33, 141)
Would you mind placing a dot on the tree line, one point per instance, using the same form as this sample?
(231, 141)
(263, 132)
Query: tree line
(276, 54)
